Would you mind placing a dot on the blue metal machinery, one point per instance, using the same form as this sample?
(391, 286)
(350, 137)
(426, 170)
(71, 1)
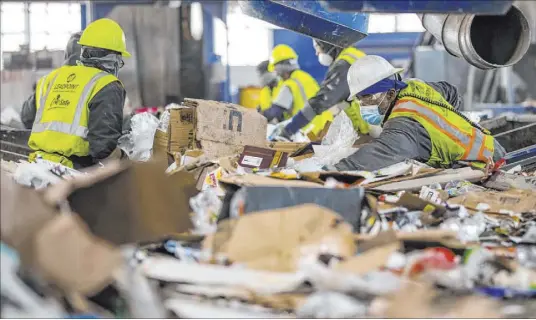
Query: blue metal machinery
(315, 18)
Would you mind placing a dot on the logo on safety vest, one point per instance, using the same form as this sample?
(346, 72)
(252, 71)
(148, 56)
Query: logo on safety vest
(58, 101)
(71, 77)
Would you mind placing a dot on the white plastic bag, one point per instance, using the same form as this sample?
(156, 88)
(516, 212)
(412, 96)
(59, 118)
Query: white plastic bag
(336, 145)
(138, 144)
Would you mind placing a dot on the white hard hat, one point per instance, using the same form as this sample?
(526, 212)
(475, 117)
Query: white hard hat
(366, 71)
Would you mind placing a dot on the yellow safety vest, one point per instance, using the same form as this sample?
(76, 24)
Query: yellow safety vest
(62, 97)
(303, 87)
(267, 95)
(454, 137)
(353, 112)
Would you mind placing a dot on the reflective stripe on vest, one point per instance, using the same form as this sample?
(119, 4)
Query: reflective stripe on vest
(307, 112)
(474, 144)
(73, 128)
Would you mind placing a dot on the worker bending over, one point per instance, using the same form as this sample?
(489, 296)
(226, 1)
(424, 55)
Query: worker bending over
(76, 112)
(296, 89)
(271, 84)
(333, 90)
(421, 121)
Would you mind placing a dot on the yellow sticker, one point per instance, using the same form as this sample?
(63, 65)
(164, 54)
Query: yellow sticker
(429, 208)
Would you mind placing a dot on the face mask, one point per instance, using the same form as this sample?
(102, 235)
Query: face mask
(325, 59)
(111, 62)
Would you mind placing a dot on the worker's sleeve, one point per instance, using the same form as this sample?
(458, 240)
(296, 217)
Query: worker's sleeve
(333, 90)
(28, 112)
(402, 138)
(449, 92)
(283, 102)
(105, 120)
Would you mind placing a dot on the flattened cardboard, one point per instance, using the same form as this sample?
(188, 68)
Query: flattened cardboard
(262, 158)
(499, 202)
(139, 203)
(257, 180)
(321, 177)
(276, 240)
(289, 147)
(72, 258)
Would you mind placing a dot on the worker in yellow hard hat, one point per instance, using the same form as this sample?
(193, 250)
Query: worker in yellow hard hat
(76, 112)
(333, 90)
(297, 88)
(271, 84)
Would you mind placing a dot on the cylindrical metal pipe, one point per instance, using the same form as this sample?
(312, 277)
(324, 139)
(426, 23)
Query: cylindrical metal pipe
(486, 42)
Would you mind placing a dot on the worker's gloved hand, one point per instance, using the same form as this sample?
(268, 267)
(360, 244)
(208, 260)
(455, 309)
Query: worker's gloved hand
(280, 134)
(353, 111)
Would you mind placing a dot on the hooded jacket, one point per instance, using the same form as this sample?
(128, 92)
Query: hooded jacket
(105, 117)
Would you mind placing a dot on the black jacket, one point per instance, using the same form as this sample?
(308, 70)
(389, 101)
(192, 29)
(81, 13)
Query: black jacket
(104, 124)
(333, 89)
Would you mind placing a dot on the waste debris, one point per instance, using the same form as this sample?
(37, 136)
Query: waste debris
(208, 219)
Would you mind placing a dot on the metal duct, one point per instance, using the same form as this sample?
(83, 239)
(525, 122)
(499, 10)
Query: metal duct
(486, 42)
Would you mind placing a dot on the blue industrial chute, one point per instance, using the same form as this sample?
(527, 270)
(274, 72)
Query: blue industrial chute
(484, 40)
(310, 18)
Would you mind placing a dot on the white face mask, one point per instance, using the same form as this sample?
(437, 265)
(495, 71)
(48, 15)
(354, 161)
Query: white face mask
(325, 59)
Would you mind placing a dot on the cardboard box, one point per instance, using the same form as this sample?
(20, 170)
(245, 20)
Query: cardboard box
(262, 158)
(180, 135)
(218, 128)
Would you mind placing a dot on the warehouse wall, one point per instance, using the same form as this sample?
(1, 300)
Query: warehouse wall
(152, 36)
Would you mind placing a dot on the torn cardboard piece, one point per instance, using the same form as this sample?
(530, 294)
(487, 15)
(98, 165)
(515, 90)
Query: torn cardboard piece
(133, 203)
(72, 258)
(276, 240)
(498, 202)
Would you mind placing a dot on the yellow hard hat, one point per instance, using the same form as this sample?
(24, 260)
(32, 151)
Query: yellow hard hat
(105, 34)
(281, 52)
